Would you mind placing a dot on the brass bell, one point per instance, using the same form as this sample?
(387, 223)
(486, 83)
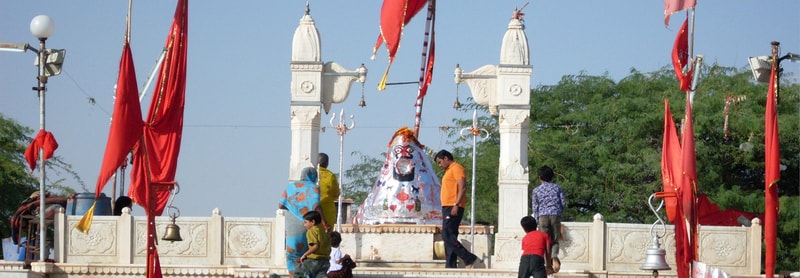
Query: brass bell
(173, 232)
(655, 258)
(362, 103)
(457, 104)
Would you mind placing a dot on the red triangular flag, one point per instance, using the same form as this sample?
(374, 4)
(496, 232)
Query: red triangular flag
(680, 56)
(126, 120)
(670, 164)
(395, 14)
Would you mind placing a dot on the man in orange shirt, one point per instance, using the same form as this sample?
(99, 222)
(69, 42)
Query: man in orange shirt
(454, 188)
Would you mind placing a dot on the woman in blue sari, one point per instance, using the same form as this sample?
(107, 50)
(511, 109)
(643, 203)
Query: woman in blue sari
(299, 197)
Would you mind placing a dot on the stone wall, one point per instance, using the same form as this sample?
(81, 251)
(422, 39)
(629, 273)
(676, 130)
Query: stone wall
(218, 242)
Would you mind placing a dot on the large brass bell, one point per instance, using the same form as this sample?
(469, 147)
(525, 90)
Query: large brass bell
(655, 258)
(173, 232)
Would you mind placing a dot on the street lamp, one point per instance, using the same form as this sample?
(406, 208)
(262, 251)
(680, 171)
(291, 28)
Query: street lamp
(42, 27)
(762, 65)
(48, 62)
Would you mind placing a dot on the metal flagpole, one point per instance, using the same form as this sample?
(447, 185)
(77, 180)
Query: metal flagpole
(476, 132)
(341, 130)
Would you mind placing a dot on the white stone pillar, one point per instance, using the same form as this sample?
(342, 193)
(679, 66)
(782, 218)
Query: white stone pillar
(315, 85)
(505, 90)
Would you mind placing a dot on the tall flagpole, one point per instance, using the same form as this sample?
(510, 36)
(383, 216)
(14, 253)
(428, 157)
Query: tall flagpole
(426, 66)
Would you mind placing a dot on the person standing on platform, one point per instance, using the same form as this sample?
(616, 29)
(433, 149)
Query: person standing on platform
(548, 202)
(329, 192)
(453, 197)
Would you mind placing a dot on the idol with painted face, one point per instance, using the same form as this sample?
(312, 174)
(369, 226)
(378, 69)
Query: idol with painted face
(407, 188)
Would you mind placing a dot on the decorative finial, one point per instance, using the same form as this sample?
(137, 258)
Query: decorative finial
(518, 14)
(308, 8)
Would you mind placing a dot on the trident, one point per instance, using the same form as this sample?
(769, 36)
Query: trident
(483, 134)
(341, 130)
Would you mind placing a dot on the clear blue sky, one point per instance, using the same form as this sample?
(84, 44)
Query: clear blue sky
(236, 140)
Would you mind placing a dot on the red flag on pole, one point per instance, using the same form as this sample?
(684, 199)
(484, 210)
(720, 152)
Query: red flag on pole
(395, 14)
(680, 56)
(772, 175)
(670, 165)
(126, 120)
(155, 159)
(674, 6)
(688, 188)
(125, 130)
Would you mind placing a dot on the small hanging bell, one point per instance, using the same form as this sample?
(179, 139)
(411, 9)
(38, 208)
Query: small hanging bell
(173, 232)
(457, 104)
(362, 103)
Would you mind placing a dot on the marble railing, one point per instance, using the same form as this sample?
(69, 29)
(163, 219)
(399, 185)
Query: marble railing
(620, 248)
(231, 243)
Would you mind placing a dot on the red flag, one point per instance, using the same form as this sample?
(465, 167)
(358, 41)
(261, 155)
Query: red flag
(680, 56)
(126, 121)
(772, 175)
(44, 140)
(125, 130)
(155, 158)
(395, 14)
(688, 188)
(670, 165)
(673, 6)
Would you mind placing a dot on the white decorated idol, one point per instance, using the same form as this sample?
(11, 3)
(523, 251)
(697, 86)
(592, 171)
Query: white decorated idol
(407, 188)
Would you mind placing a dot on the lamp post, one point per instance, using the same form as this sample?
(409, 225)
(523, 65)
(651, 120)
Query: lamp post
(42, 27)
(48, 63)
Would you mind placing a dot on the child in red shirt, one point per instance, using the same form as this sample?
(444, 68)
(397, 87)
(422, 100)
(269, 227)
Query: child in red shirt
(535, 260)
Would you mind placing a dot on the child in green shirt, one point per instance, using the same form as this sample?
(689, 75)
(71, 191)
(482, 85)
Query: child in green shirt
(315, 261)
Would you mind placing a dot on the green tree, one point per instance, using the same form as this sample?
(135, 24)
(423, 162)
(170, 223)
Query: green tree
(16, 182)
(361, 176)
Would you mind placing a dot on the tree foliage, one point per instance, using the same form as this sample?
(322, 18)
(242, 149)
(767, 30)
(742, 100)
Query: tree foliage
(16, 182)
(361, 176)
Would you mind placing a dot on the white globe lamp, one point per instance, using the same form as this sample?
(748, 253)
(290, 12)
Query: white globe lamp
(42, 26)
